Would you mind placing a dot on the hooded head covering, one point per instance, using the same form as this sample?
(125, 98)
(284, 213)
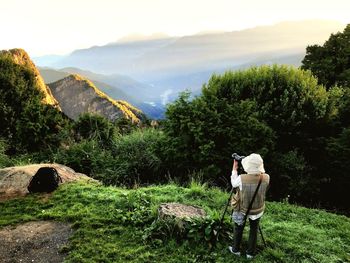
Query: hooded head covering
(253, 164)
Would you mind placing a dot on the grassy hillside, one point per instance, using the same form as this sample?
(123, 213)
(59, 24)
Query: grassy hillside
(118, 225)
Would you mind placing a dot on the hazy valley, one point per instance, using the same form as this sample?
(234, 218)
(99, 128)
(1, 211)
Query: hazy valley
(151, 72)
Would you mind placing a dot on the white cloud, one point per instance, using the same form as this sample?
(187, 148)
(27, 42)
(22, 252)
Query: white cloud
(165, 96)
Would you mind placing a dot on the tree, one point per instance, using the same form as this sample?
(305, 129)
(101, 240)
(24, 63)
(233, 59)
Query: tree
(27, 123)
(330, 63)
(272, 110)
(338, 171)
(203, 133)
(335, 167)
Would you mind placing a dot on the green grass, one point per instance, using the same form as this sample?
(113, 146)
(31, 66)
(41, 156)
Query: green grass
(111, 224)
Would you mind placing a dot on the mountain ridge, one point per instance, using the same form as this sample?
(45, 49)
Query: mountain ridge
(78, 95)
(117, 87)
(139, 59)
(21, 57)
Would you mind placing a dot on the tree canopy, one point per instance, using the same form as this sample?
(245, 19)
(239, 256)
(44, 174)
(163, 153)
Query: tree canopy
(331, 62)
(277, 111)
(25, 121)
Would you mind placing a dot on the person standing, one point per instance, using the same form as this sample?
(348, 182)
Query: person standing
(247, 185)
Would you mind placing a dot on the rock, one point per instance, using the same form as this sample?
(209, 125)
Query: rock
(14, 180)
(180, 211)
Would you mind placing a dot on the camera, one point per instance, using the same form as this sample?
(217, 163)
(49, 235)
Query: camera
(237, 157)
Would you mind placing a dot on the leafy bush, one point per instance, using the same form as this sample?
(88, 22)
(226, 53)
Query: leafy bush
(135, 209)
(202, 133)
(138, 158)
(199, 230)
(271, 110)
(90, 126)
(128, 160)
(126, 126)
(86, 157)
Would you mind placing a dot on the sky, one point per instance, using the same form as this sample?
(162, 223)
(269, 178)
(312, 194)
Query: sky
(45, 27)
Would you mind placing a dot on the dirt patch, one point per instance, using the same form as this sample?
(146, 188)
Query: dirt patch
(39, 241)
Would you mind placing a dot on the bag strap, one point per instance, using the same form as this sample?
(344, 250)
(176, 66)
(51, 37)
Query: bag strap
(252, 201)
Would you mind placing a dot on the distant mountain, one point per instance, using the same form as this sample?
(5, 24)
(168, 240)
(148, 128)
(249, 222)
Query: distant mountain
(78, 95)
(114, 58)
(156, 70)
(53, 75)
(140, 37)
(21, 57)
(213, 52)
(116, 85)
(132, 89)
(47, 60)
(152, 109)
(159, 58)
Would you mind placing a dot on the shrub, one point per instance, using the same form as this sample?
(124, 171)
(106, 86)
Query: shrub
(271, 110)
(138, 158)
(90, 126)
(85, 157)
(198, 230)
(130, 159)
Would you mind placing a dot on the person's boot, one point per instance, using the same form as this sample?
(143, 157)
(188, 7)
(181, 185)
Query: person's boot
(235, 252)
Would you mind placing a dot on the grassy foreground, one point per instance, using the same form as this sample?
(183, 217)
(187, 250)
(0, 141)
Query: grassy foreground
(119, 225)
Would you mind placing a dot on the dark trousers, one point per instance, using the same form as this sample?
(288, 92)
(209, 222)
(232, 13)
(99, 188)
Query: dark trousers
(253, 234)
